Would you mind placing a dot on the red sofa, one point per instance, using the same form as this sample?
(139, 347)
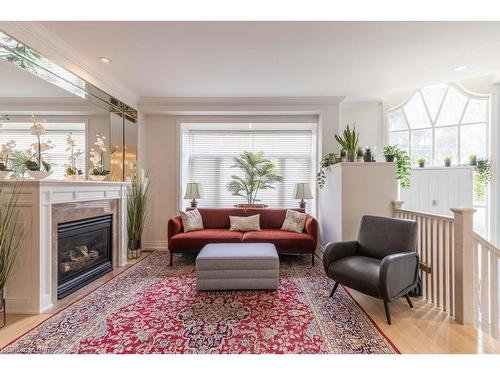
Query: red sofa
(216, 224)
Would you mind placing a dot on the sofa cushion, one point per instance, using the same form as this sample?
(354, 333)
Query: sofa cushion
(366, 270)
(217, 218)
(270, 218)
(191, 220)
(244, 223)
(194, 241)
(294, 221)
(284, 241)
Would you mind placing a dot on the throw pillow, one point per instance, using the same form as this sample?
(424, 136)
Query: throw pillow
(191, 220)
(244, 223)
(294, 221)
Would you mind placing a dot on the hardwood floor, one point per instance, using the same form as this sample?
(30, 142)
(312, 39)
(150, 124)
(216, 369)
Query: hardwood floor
(423, 329)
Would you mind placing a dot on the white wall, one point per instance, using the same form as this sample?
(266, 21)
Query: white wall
(159, 148)
(367, 117)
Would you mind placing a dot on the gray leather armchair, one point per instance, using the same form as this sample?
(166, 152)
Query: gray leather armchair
(382, 263)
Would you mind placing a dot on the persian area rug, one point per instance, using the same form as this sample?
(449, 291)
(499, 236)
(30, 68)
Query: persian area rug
(154, 308)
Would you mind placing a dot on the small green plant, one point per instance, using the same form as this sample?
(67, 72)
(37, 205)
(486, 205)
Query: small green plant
(18, 159)
(137, 200)
(349, 141)
(390, 152)
(421, 161)
(73, 172)
(327, 161)
(403, 164)
(482, 177)
(360, 153)
(472, 159)
(447, 160)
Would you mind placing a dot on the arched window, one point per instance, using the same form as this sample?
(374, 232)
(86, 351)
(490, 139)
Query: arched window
(441, 120)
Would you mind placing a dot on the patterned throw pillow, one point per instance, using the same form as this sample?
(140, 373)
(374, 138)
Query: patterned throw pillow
(191, 220)
(244, 223)
(294, 221)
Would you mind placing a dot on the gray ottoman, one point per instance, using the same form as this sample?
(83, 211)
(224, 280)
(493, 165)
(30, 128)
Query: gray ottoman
(230, 266)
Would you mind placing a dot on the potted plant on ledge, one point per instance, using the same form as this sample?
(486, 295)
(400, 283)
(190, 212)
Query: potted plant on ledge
(97, 172)
(390, 152)
(259, 173)
(349, 142)
(38, 168)
(137, 199)
(421, 161)
(447, 160)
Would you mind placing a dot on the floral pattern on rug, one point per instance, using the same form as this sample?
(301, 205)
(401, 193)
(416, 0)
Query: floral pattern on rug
(154, 308)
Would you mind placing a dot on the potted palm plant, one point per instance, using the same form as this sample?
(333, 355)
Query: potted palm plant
(259, 173)
(137, 199)
(349, 142)
(10, 237)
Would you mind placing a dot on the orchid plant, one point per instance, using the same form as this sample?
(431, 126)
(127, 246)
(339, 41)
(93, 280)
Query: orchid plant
(75, 153)
(97, 157)
(35, 152)
(5, 152)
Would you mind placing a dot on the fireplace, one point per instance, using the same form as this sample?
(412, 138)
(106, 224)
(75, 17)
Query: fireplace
(84, 252)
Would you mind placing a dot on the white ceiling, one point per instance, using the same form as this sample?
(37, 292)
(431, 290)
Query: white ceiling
(244, 59)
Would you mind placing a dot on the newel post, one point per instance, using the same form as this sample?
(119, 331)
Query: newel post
(463, 270)
(397, 205)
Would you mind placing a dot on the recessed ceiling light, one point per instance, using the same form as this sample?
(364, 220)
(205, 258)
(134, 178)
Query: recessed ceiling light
(459, 68)
(105, 60)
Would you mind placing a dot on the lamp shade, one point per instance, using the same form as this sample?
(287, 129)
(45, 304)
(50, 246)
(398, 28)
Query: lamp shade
(193, 190)
(302, 191)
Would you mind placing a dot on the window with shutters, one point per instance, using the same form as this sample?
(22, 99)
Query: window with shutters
(208, 159)
(56, 132)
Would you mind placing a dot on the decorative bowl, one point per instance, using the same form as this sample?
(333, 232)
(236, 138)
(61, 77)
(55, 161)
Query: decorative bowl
(39, 175)
(97, 177)
(4, 175)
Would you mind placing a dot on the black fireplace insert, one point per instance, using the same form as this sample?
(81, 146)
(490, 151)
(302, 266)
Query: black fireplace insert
(84, 252)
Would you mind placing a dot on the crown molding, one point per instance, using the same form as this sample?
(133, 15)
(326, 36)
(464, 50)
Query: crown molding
(237, 105)
(60, 52)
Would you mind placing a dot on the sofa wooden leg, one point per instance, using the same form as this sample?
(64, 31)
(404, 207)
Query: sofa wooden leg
(407, 296)
(171, 259)
(334, 289)
(387, 311)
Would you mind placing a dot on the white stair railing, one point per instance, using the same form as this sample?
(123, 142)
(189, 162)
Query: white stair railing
(459, 269)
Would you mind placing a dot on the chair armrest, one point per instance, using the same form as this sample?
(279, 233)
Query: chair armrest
(311, 228)
(174, 226)
(398, 273)
(337, 250)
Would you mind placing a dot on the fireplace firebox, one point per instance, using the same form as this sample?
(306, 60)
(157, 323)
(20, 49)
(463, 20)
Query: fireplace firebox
(84, 252)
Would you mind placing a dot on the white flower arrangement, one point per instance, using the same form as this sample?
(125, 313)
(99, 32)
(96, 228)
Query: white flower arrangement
(5, 151)
(71, 169)
(97, 157)
(38, 148)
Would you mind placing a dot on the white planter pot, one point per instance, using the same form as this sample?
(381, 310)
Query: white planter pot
(75, 177)
(39, 175)
(95, 177)
(4, 175)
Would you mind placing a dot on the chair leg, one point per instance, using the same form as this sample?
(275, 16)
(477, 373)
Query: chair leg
(387, 311)
(407, 296)
(334, 289)
(171, 259)
(312, 259)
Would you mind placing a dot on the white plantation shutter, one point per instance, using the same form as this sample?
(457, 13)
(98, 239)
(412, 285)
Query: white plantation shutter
(211, 155)
(56, 132)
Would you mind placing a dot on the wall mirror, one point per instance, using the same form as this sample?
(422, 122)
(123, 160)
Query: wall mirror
(77, 124)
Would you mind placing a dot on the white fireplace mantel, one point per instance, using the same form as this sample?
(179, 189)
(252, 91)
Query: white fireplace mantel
(31, 289)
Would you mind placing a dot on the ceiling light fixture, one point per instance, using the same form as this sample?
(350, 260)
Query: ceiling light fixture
(105, 60)
(459, 68)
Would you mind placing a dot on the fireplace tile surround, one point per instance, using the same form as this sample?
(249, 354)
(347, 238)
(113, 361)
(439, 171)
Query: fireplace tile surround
(32, 288)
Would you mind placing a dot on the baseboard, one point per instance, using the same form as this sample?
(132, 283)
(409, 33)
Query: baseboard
(154, 245)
